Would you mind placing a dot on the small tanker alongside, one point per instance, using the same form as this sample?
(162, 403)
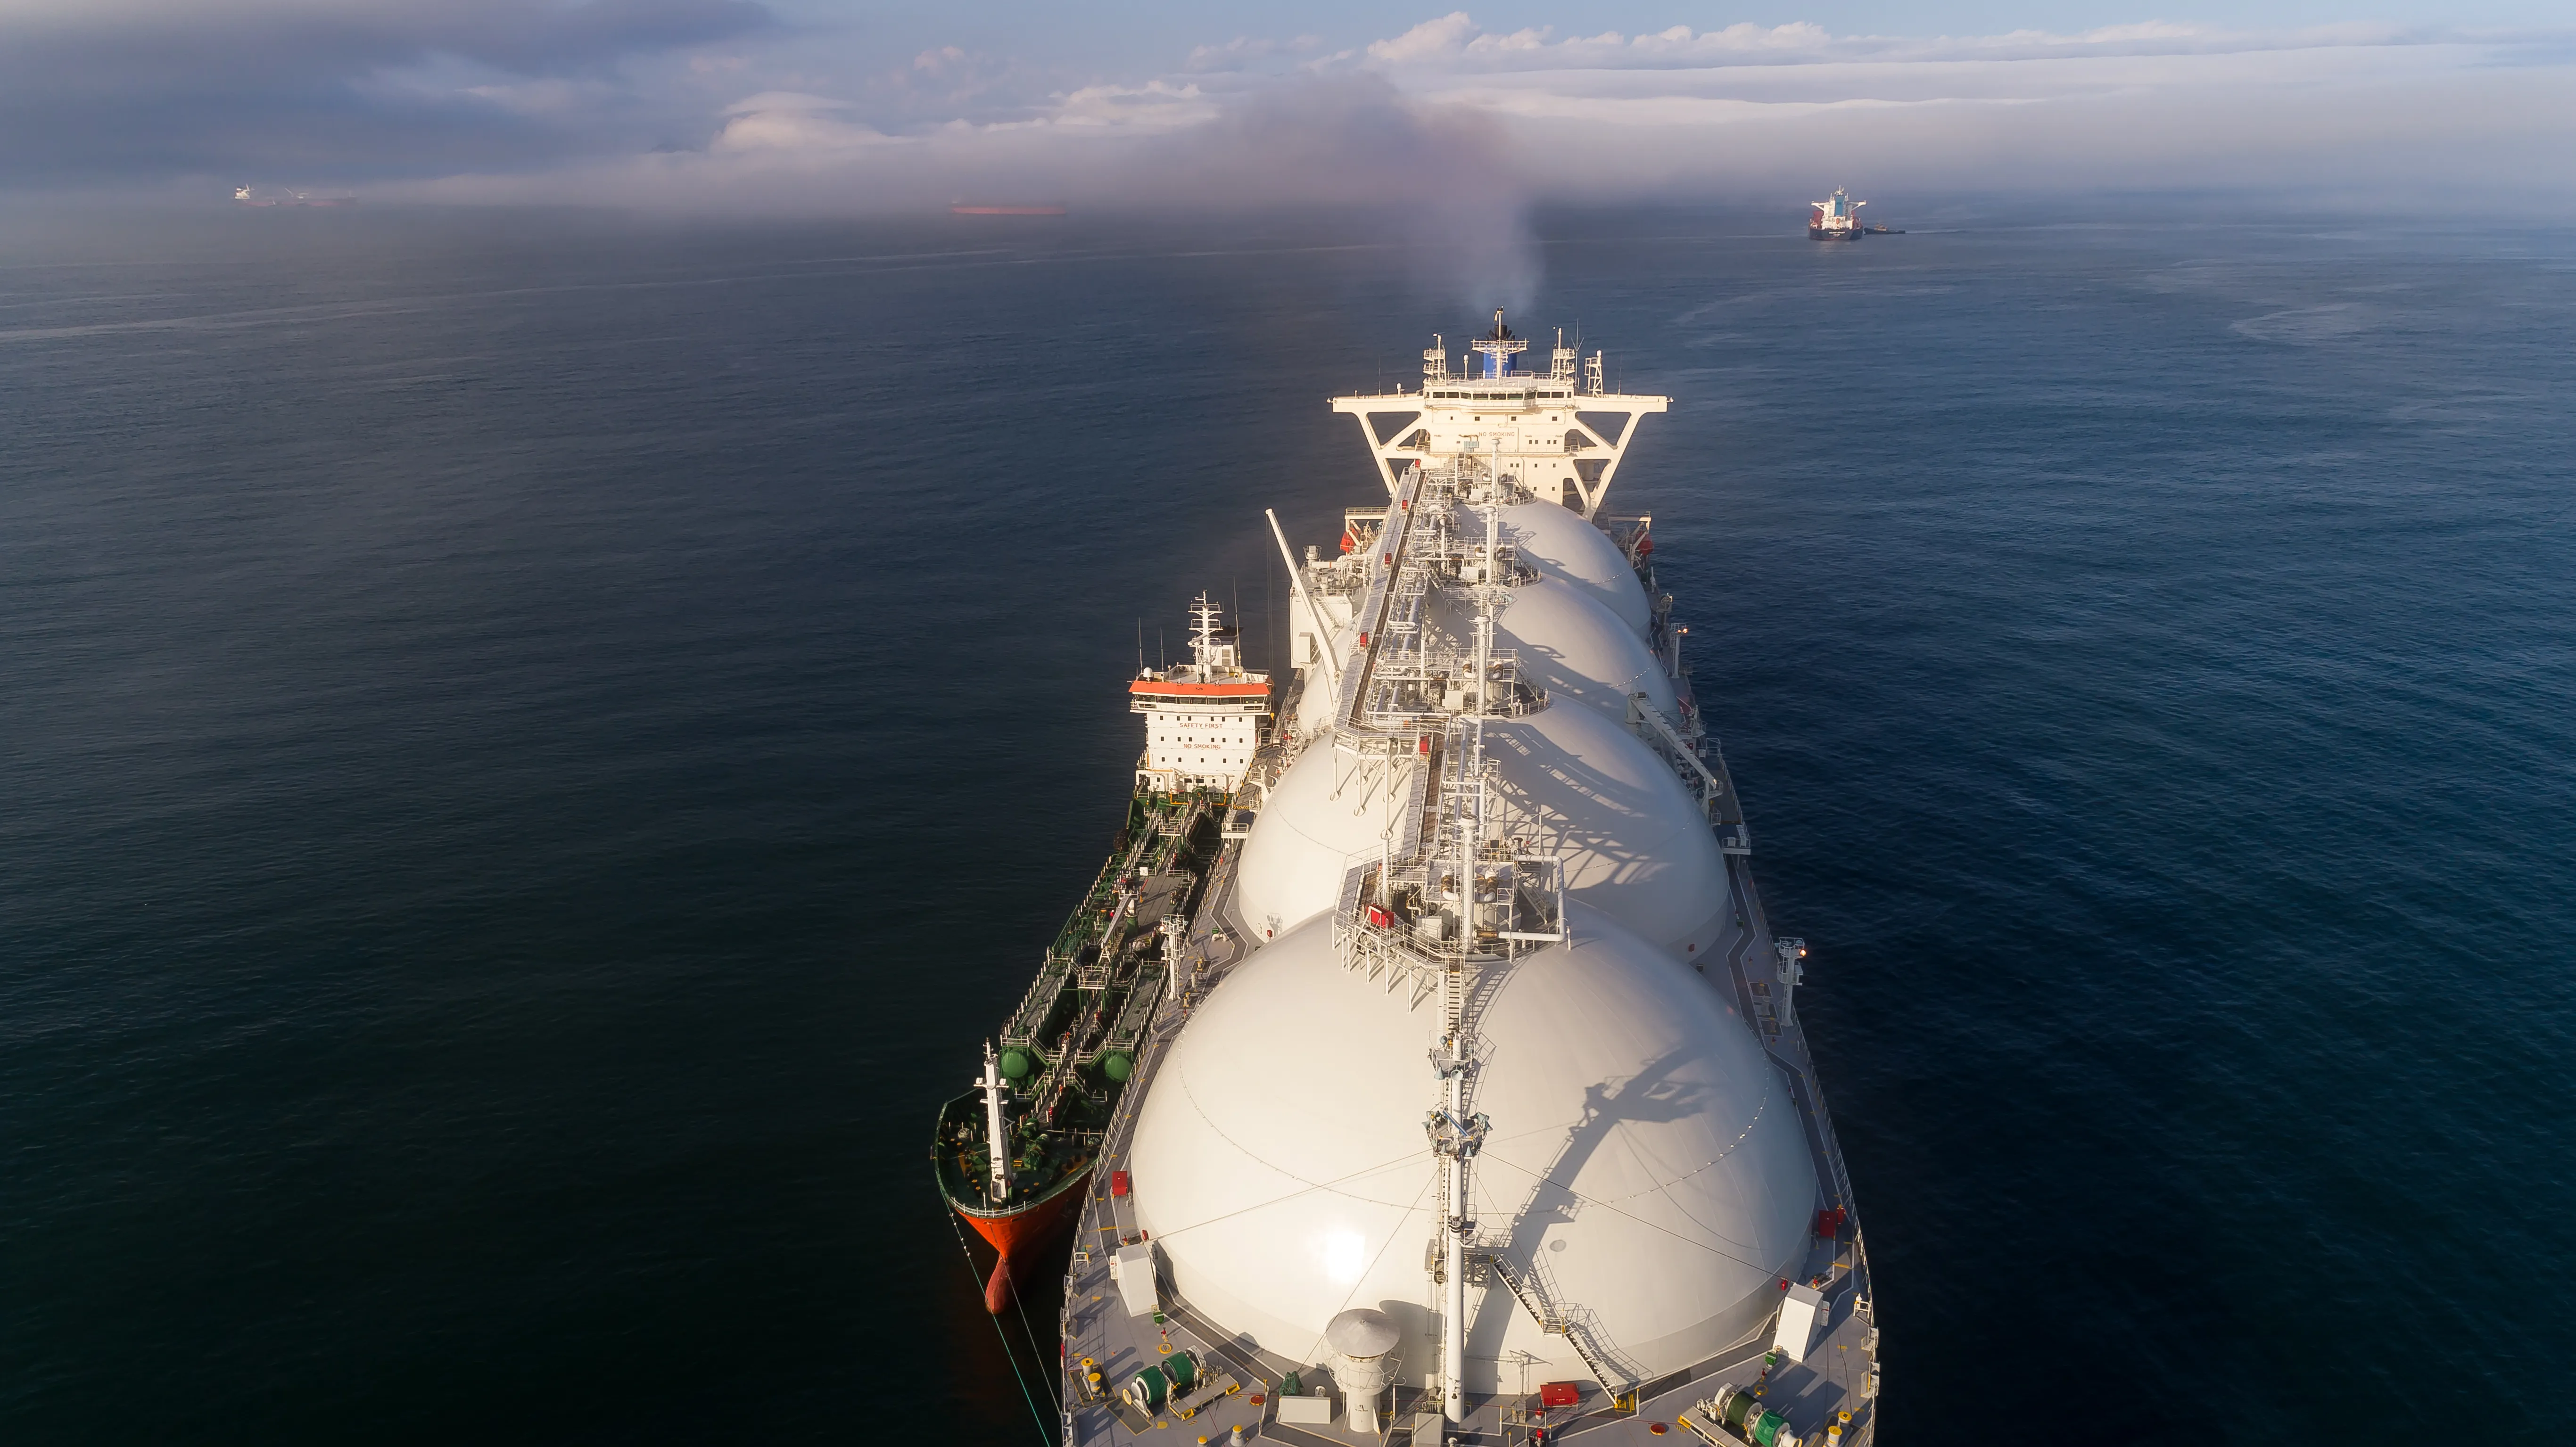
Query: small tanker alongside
(1011, 1155)
(1473, 1103)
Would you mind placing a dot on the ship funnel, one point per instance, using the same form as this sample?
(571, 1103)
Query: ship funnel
(1498, 347)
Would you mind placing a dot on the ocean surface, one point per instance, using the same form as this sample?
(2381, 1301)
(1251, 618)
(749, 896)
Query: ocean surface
(533, 749)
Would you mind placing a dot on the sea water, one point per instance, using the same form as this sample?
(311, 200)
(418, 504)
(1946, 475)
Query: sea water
(534, 750)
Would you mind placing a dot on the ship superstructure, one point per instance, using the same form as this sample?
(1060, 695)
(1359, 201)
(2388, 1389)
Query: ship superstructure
(1836, 218)
(1204, 718)
(1560, 434)
(1476, 1107)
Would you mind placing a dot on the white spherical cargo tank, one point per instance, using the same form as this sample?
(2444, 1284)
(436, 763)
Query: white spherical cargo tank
(1635, 843)
(1328, 812)
(1642, 1147)
(1569, 644)
(1562, 545)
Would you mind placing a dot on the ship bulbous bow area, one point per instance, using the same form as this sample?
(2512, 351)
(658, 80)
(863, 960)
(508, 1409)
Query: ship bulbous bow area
(1647, 1175)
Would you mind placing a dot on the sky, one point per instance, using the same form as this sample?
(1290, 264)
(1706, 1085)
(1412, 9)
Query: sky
(814, 107)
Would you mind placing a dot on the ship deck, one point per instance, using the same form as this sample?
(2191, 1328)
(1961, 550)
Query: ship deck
(1838, 1374)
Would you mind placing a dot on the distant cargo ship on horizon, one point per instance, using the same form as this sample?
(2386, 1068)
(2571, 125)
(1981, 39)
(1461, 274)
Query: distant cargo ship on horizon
(963, 208)
(1837, 218)
(268, 196)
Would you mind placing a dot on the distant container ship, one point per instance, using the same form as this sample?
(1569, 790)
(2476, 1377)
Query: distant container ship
(271, 196)
(962, 209)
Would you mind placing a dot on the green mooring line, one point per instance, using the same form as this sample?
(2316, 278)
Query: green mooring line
(1045, 1434)
(1036, 1353)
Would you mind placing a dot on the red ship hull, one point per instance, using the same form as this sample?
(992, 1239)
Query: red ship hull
(1022, 1233)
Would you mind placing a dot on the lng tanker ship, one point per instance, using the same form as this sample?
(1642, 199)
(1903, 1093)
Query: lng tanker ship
(1454, 1088)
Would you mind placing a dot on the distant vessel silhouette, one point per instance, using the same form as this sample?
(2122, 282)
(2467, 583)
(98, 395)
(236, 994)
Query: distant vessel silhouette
(278, 196)
(1836, 218)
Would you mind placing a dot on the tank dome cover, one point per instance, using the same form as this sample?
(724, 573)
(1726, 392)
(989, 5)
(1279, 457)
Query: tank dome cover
(1362, 1333)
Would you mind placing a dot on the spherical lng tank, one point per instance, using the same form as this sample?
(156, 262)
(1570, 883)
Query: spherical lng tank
(1636, 844)
(1327, 812)
(1569, 644)
(1570, 782)
(1279, 1159)
(1562, 545)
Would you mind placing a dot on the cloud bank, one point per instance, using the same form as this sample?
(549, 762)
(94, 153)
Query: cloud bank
(725, 105)
(101, 92)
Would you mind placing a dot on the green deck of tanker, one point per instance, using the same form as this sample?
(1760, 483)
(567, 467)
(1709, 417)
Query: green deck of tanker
(1070, 1048)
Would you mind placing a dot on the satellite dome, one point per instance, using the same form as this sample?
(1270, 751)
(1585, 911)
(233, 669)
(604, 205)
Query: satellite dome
(1635, 843)
(1280, 1162)
(1569, 644)
(1562, 545)
(1329, 811)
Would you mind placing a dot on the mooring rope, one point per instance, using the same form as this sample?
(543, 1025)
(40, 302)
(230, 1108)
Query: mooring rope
(1009, 1352)
(1037, 1352)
